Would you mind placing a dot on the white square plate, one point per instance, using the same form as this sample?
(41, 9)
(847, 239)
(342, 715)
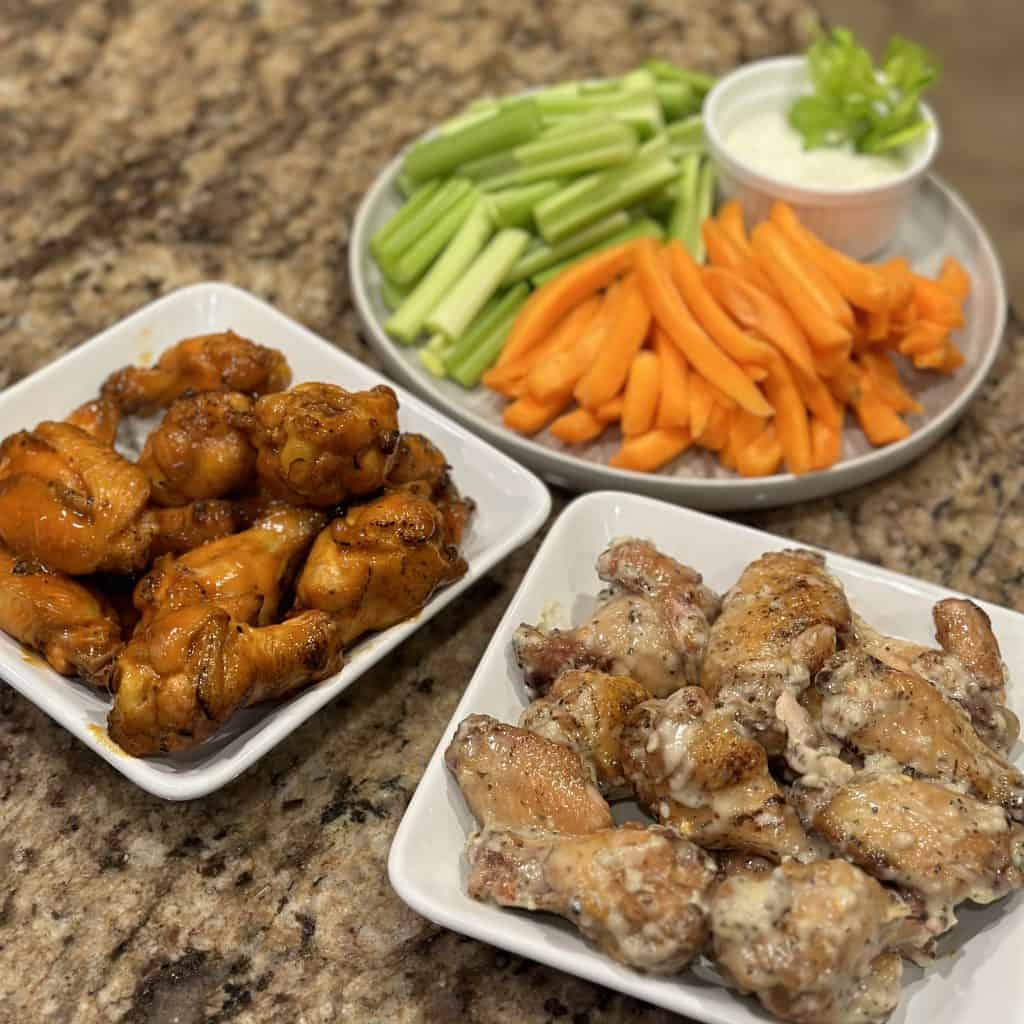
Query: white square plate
(512, 504)
(983, 982)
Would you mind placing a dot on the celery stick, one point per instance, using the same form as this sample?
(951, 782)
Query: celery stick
(432, 362)
(485, 321)
(686, 199)
(640, 109)
(677, 99)
(616, 189)
(545, 255)
(391, 293)
(471, 369)
(638, 80)
(686, 132)
(440, 155)
(480, 281)
(606, 132)
(405, 185)
(577, 191)
(391, 250)
(641, 229)
(513, 207)
(702, 208)
(415, 260)
(404, 214)
(478, 110)
(566, 167)
(407, 321)
(663, 70)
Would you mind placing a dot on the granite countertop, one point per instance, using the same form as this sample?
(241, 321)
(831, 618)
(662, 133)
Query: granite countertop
(149, 145)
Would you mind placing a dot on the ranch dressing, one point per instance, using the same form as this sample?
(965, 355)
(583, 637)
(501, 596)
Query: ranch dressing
(764, 140)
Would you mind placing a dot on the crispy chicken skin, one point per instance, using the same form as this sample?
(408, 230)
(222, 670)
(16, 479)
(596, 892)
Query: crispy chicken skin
(650, 625)
(208, 362)
(201, 449)
(587, 711)
(692, 767)
(982, 697)
(810, 941)
(69, 623)
(379, 563)
(70, 502)
(189, 669)
(319, 444)
(101, 417)
(512, 778)
(638, 893)
(942, 845)
(248, 574)
(877, 709)
(779, 624)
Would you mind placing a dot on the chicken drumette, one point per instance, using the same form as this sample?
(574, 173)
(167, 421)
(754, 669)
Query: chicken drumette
(651, 625)
(70, 502)
(248, 574)
(640, 894)
(692, 767)
(512, 778)
(319, 444)
(877, 709)
(101, 417)
(189, 669)
(201, 449)
(779, 624)
(812, 941)
(69, 623)
(941, 845)
(208, 362)
(379, 563)
(587, 712)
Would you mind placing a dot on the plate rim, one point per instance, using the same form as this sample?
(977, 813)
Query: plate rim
(193, 782)
(594, 967)
(711, 493)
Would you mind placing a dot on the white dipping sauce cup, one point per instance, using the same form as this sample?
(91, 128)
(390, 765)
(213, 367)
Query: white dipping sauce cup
(859, 220)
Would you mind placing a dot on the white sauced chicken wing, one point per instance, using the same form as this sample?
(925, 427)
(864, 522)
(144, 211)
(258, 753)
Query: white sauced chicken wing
(779, 624)
(639, 893)
(512, 778)
(587, 712)
(692, 767)
(811, 941)
(651, 624)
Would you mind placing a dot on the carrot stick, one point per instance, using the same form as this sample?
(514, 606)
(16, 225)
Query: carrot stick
(716, 431)
(643, 389)
(886, 381)
(701, 403)
(827, 363)
(826, 444)
(900, 280)
(759, 313)
(924, 336)
(721, 248)
(626, 334)
(844, 384)
(955, 279)
(730, 220)
(790, 418)
(674, 404)
(744, 428)
(527, 416)
(817, 397)
(935, 303)
(954, 359)
(610, 411)
(648, 452)
(709, 314)
(879, 325)
(857, 283)
(880, 423)
(671, 313)
(755, 373)
(798, 287)
(577, 427)
(762, 456)
(933, 359)
(551, 302)
(556, 370)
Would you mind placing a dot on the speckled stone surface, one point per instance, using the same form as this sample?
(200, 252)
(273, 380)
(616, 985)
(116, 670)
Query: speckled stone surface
(145, 146)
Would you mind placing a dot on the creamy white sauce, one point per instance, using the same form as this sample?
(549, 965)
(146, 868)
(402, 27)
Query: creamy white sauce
(765, 142)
